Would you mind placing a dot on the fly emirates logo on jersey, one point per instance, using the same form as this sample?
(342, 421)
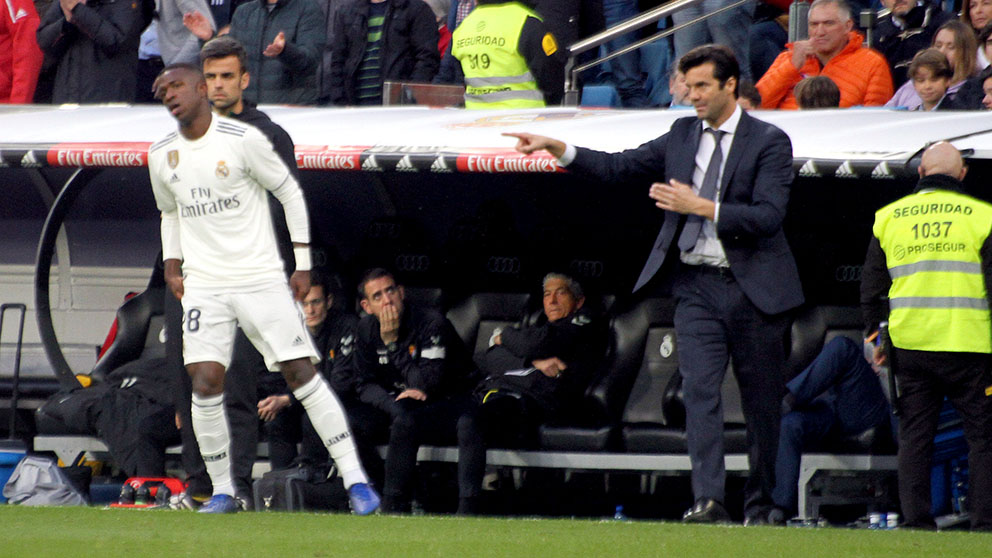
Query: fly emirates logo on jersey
(201, 203)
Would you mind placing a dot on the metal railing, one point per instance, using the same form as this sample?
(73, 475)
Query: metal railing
(572, 70)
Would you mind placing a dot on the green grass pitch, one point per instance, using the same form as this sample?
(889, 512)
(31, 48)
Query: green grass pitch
(85, 532)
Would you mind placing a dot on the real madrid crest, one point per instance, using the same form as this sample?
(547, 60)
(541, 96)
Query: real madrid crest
(222, 171)
(173, 159)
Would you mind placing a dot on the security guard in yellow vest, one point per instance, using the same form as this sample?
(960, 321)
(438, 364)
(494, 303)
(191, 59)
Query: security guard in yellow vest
(931, 258)
(508, 57)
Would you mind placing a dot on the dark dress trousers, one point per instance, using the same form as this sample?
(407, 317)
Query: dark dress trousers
(724, 315)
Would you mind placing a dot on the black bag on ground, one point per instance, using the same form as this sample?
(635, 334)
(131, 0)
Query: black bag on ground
(302, 488)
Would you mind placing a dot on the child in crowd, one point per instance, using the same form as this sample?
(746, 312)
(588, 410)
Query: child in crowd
(930, 75)
(956, 41)
(817, 92)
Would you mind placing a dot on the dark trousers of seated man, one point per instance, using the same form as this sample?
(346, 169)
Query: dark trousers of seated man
(292, 426)
(415, 423)
(510, 420)
(837, 394)
(502, 419)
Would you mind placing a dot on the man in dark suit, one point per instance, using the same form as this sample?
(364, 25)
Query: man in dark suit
(731, 269)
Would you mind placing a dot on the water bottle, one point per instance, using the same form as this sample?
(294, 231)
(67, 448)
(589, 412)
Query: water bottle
(618, 515)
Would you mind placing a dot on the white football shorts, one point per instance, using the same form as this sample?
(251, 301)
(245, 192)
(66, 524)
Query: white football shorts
(269, 316)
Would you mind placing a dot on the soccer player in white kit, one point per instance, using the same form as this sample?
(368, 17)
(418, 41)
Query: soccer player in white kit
(210, 180)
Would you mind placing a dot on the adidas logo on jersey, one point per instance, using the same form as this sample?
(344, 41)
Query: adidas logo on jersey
(174, 178)
(298, 341)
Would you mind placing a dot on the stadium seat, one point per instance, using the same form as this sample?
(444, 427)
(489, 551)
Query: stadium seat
(600, 96)
(654, 416)
(476, 317)
(598, 429)
(140, 325)
(140, 334)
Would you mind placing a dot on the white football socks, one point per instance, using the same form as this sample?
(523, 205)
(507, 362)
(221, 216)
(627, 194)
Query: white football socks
(213, 435)
(328, 419)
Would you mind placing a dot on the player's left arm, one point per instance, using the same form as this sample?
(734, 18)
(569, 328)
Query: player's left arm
(268, 169)
(763, 213)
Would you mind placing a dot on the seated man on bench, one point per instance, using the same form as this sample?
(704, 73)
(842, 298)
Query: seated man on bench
(536, 373)
(838, 393)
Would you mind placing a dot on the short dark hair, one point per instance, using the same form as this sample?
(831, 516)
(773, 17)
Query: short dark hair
(817, 92)
(372, 275)
(222, 47)
(181, 66)
(750, 92)
(933, 60)
(724, 62)
(320, 279)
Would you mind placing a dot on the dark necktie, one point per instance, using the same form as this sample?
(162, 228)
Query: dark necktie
(694, 223)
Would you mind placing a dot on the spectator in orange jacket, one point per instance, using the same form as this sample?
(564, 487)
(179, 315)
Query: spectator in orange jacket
(832, 50)
(20, 56)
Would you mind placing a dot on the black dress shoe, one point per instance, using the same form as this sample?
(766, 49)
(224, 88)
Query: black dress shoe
(776, 516)
(706, 510)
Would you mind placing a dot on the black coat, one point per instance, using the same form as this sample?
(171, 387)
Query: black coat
(96, 56)
(900, 44)
(291, 77)
(408, 52)
(429, 356)
(577, 340)
(971, 93)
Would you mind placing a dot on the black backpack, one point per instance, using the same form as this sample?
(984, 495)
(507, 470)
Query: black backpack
(301, 488)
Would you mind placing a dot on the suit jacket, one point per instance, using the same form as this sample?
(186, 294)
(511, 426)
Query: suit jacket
(754, 195)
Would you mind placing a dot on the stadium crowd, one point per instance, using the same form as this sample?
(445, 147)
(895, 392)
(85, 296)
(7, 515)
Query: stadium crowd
(339, 52)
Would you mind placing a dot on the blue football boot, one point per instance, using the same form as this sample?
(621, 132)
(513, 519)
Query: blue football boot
(220, 503)
(363, 498)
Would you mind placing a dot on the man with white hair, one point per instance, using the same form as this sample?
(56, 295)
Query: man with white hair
(535, 373)
(833, 50)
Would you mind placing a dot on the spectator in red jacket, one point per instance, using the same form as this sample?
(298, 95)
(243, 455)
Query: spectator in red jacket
(833, 50)
(20, 57)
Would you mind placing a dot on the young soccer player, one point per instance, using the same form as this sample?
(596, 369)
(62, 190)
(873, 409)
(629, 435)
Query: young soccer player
(210, 180)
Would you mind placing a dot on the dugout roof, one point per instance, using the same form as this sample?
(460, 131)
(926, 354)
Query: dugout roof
(851, 143)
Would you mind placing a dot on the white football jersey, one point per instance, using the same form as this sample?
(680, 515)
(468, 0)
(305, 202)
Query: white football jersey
(216, 187)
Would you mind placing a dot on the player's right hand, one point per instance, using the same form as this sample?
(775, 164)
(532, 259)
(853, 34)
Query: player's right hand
(389, 324)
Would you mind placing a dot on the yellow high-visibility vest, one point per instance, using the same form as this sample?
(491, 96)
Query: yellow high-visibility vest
(496, 74)
(938, 301)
